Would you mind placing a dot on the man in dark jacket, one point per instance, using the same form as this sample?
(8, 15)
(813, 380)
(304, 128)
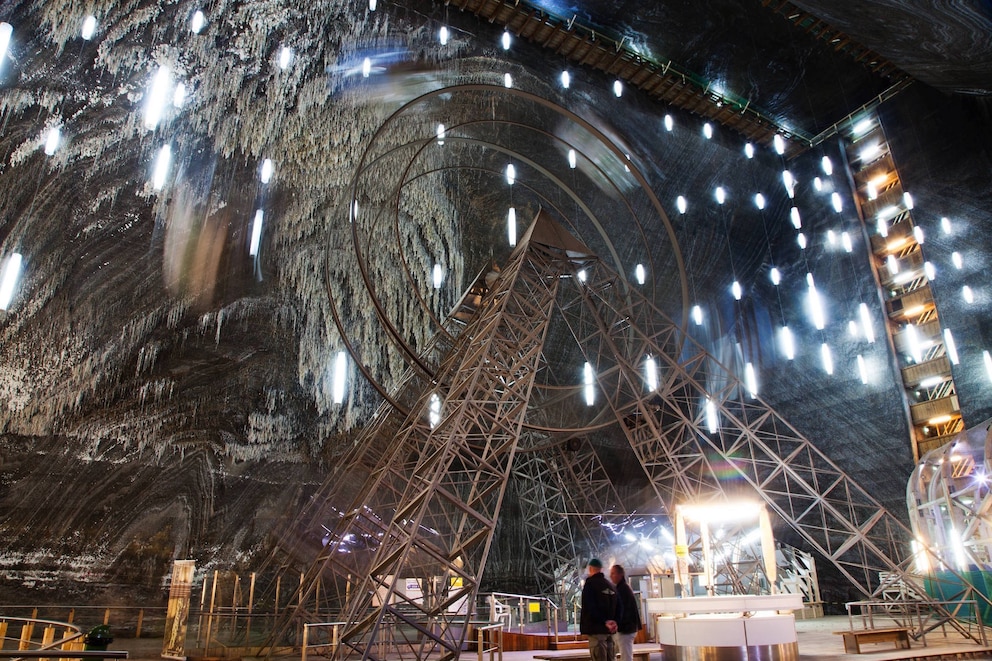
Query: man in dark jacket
(599, 612)
(628, 614)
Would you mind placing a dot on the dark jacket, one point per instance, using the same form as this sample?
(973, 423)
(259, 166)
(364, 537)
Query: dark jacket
(628, 614)
(599, 604)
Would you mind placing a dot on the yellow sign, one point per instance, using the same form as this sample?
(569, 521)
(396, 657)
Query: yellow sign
(534, 606)
(681, 551)
(455, 581)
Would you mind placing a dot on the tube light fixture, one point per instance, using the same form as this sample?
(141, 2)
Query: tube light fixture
(650, 374)
(907, 200)
(913, 340)
(775, 275)
(832, 237)
(931, 382)
(789, 182)
(892, 264)
(827, 358)
(6, 31)
(669, 123)
(197, 22)
(681, 204)
(256, 233)
(862, 369)
(640, 274)
(853, 329)
(827, 165)
(801, 240)
(749, 150)
(751, 380)
(354, 210)
(815, 305)
(950, 346)
(779, 142)
(434, 410)
(872, 190)
(265, 173)
(162, 163)
(707, 130)
(818, 184)
(443, 35)
(440, 134)
(373, 4)
(11, 272)
(956, 260)
(987, 359)
(156, 98)
(340, 377)
(788, 344)
(759, 200)
(366, 67)
(697, 315)
(797, 221)
(511, 174)
(52, 140)
(511, 226)
(866, 324)
(736, 290)
(945, 225)
(438, 276)
(286, 57)
(617, 88)
(566, 79)
(89, 27)
(845, 240)
(967, 294)
(712, 420)
(929, 270)
(863, 126)
(837, 201)
(571, 158)
(588, 384)
(720, 194)
(505, 40)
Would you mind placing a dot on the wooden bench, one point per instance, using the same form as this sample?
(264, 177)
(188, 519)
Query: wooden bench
(854, 638)
(580, 655)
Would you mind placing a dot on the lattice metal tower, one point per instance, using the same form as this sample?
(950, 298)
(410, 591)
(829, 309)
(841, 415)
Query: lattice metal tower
(428, 504)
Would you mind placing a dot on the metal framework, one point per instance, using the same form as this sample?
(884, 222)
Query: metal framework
(402, 565)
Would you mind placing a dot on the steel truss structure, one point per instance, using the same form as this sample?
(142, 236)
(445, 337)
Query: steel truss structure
(401, 566)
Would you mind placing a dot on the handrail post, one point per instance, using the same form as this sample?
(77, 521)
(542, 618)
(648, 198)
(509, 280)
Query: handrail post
(306, 639)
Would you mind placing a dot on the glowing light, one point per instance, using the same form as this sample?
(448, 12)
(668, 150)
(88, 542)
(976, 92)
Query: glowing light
(366, 67)
(640, 274)
(571, 158)
(256, 233)
(826, 358)
(179, 95)
(442, 35)
(286, 58)
(697, 315)
(831, 237)
(862, 126)
(797, 222)
(967, 294)
(511, 174)
(581, 275)
(892, 264)
(775, 275)
(907, 200)
(52, 140)
(617, 88)
(789, 182)
(749, 150)
(197, 22)
(845, 240)
(818, 184)
(588, 383)
(736, 290)
(434, 412)
(438, 276)
(929, 270)
(869, 152)
(507, 81)
(945, 225)
(815, 304)
(872, 190)
(440, 134)
(721, 512)
(931, 382)
(958, 546)
(505, 40)
(566, 79)
(882, 227)
(650, 374)
(340, 377)
(939, 420)
(788, 344)
(918, 234)
(801, 240)
(956, 260)
(681, 204)
(827, 165)
(866, 324)
(511, 226)
(354, 210)
(852, 328)
(987, 359)
(712, 420)
(373, 4)
(669, 123)
(89, 27)
(913, 340)
(708, 130)
(720, 194)
(779, 143)
(11, 272)
(950, 346)
(914, 311)
(837, 202)
(162, 163)
(751, 380)
(156, 97)
(759, 200)
(862, 369)
(6, 31)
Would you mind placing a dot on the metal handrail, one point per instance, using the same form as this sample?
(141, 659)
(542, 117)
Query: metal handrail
(480, 640)
(335, 637)
(917, 615)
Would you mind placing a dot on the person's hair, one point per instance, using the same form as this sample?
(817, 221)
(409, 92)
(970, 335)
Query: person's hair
(619, 569)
